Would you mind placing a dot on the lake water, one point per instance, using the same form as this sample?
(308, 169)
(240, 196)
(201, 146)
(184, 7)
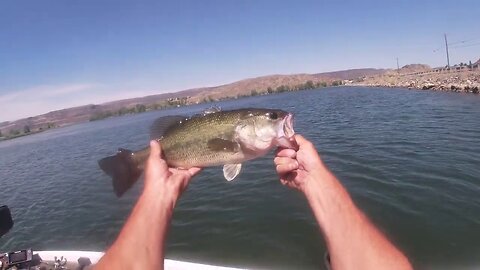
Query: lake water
(410, 159)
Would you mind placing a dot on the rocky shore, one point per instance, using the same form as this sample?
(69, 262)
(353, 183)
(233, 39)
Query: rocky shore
(456, 79)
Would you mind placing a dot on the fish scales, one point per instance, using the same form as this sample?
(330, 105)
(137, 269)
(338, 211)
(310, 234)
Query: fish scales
(186, 144)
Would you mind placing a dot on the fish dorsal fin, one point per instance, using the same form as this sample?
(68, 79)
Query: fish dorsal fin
(213, 109)
(222, 145)
(230, 171)
(161, 125)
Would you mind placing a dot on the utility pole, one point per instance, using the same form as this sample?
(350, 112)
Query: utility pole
(446, 48)
(398, 67)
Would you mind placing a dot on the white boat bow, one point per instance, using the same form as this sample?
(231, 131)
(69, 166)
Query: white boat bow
(94, 256)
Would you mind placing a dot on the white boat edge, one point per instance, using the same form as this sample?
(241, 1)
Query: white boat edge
(94, 256)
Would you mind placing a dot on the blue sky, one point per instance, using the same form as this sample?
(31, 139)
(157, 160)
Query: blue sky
(58, 54)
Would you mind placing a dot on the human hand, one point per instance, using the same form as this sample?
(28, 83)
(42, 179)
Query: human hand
(297, 167)
(166, 183)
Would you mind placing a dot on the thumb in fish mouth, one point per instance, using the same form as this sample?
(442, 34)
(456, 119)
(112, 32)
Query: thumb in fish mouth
(287, 142)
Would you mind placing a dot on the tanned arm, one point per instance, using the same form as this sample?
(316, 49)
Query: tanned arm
(141, 243)
(352, 240)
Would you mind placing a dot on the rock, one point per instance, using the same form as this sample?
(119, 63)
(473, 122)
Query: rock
(428, 86)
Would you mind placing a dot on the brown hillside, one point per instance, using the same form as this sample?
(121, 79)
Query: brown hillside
(244, 87)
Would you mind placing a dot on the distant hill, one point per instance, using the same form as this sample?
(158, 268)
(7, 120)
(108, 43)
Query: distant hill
(261, 84)
(415, 68)
(352, 74)
(237, 89)
(244, 87)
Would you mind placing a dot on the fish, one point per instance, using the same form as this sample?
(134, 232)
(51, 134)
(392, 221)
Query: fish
(212, 138)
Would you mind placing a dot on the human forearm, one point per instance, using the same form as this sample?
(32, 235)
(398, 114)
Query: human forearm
(353, 242)
(140, 244)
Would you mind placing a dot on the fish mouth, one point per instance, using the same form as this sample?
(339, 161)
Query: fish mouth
(286, 132)
(288, 126)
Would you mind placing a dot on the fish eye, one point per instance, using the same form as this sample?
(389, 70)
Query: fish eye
(272, 115)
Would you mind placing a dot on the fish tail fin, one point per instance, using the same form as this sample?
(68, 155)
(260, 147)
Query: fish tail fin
(123, 170)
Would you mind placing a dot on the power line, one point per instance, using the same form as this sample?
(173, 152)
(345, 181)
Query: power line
(464, 46)
(464, 41)
(460, 44)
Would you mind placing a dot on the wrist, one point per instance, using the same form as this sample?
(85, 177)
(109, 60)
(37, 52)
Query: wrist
(159, 197)
(315, 179)
(311, 187)
(327, 197)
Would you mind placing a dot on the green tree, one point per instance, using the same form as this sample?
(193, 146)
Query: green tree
(337, 83)
(122, 111)
(269, 90)
(14, 132)
(254, 93)
(139, 108)
(309, 85)
(101, 115)
(282, 88)
(26, 129)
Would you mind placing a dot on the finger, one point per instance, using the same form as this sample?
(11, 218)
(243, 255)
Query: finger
(283, 160)
(155, 155)
(155, 149)
(194, 171)
(294, 143)
(287, 182)
(301, 140)
(285, 152)
(286, 168)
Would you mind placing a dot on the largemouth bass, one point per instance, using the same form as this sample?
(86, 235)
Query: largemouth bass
(210, 139)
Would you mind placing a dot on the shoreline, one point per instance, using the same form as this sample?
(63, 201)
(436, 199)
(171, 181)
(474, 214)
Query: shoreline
(453, 89)
(438, 88)
(459, 81)
(404, 81)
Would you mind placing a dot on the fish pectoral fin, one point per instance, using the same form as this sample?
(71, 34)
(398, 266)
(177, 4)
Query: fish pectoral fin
(230, 171)
(222, 145)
